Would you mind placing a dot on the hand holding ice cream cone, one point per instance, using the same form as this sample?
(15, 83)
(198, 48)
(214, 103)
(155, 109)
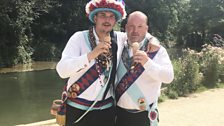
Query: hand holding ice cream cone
(153, 45)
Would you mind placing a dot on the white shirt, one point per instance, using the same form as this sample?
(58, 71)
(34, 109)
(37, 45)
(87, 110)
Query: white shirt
(74, 63)
(157, 71)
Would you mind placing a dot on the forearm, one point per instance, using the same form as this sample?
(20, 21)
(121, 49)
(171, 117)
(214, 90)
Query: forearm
(163, 73)
(160, 68)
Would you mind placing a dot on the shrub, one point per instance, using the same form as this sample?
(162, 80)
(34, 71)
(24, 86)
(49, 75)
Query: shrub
(187, 77)
(212, 65)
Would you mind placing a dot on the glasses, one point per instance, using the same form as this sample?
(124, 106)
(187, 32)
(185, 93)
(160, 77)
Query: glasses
(102, 16)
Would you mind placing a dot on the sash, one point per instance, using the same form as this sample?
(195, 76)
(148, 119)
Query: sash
(91, 75)
(128, 79)
(85, 104)
(127, 84)
(89, 78)
(86, 79)
(127, 76)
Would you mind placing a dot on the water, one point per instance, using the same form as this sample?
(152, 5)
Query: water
(26, 97)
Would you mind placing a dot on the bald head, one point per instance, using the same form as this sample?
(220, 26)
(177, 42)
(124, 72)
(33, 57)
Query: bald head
(136, 26)
(138, 14)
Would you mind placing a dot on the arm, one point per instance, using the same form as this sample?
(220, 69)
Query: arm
(72, 59)
(77, 55)
(161, 68)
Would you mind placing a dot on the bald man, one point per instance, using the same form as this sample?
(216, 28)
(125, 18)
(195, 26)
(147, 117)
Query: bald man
(143, 67)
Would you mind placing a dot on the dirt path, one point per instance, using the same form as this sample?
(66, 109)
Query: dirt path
(202, 109)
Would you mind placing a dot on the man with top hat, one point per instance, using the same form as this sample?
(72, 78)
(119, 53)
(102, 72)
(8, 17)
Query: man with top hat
(89, 60)
(143, 67)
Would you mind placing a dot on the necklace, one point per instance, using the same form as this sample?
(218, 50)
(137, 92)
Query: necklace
(103, 61)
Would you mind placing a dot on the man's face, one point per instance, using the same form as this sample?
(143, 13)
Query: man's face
(105, 21)
(136, 29)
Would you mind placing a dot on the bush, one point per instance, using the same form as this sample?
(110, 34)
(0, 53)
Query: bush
(162, 98)
(212, 65)
(23, 55)
(187, 77)
(171, 91)
(194, 70)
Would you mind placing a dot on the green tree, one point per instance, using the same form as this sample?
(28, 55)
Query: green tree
(16, 18)
(53, 29)
(203, 17)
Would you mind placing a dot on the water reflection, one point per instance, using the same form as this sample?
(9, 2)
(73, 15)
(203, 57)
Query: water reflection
(26, 97)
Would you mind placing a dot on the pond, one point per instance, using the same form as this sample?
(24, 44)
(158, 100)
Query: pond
(26, 97)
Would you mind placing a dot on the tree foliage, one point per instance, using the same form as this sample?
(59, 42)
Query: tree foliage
(39, 29)
(54, 28)
(163, 16)
(16, 17)
(202, 19)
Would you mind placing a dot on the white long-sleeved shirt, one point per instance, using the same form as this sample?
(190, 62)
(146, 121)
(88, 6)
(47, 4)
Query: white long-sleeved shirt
(157, 71)
(74, 62)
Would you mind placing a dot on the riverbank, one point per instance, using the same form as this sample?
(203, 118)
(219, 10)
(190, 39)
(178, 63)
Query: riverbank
(30, 67)
(199, 109)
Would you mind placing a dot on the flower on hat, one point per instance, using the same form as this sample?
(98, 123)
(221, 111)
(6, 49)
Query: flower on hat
(114, 5)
